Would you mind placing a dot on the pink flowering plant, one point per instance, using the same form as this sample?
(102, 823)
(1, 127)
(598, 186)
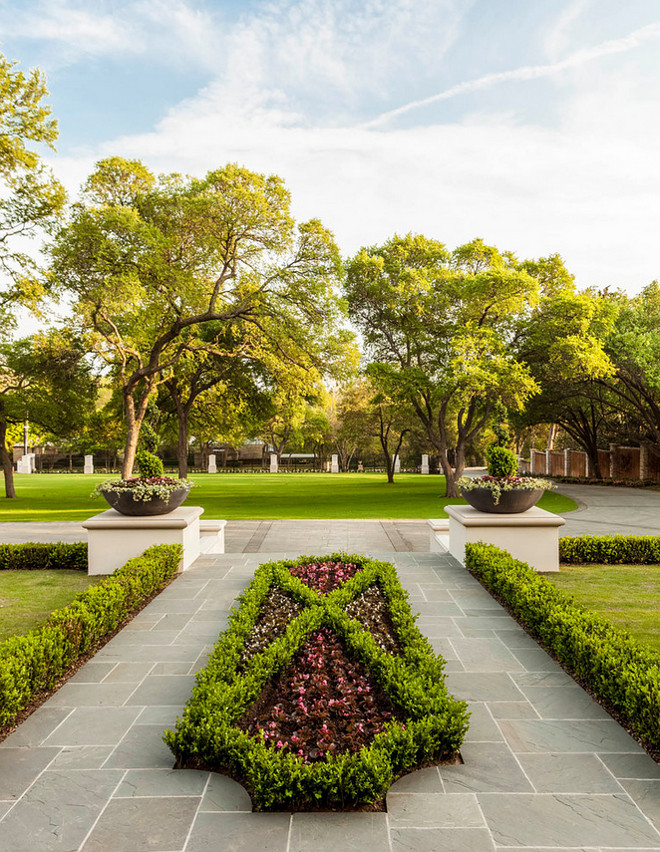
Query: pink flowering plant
(308, 702)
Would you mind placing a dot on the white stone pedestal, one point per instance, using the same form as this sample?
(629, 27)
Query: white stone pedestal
(273, 463)
(438, 535)
(115, 538)
(213, 466)
(26, 464)
(212, 536)
(425, 463)
(531, 536)
(334, 466)
(89, 464)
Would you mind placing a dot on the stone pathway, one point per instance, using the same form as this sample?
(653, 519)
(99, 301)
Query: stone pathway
(545, 767)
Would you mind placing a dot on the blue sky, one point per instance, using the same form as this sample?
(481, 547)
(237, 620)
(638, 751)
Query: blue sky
(531, 123)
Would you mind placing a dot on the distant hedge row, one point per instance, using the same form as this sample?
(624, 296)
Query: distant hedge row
(610, 550)
(608, 660)
(40, 557)
(35, 662)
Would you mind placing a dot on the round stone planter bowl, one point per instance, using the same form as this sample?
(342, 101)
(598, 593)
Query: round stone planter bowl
(511, 502)
(124, 503)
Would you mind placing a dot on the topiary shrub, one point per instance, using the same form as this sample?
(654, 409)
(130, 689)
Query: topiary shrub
(502, 462)
(610, 550)
(316, 766)
(148, 464)
(34, 663)
(617, 670)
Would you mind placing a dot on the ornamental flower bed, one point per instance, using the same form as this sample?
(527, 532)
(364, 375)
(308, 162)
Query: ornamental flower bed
(322, 691)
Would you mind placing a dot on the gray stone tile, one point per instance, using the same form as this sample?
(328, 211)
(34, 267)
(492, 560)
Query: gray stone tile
(439, 610)
(536, 660)
(162, 605)
(438, 628)
(94, 726)
(487, 768)
(258, 832)
(527, 735)
(435, 592)
(164, 715)
(484, 622)
(568, 773)
(150, 653)
(566, 820)
(141, 748)
(172, 621)
(483, 686)
(163, 690)
(92, 673)
(162, 782)
(4, 807)
(37, 727)
(646, 795)
(129, 672)
(329, 832)
(421, 781)
(485, 655)
(168, 669)
(555, 678)
(19, 767)
(431, 810)
(57, 812)
(482, 725)
(225, 794)
(512, 710)
(81, 757)
(568, 702)
(92, 694)
(445, 839)
(442, 646)
(631, 765)
(553, 849)
(475, 599)
(143, 825)
(146, 637)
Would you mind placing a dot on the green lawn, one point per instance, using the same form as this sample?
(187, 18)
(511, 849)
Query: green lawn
(236, 496)
(627, 595)
(27, 598)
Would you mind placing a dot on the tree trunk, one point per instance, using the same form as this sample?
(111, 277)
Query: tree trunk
(7, 463)
(182, 446)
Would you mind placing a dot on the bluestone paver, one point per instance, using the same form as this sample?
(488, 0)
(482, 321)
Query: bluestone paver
(544, 767)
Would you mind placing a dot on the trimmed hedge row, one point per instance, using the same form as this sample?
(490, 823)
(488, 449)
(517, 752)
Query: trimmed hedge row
(34, 662)
(41, 557)
(206, 735)
(610, 550)
(608, 660)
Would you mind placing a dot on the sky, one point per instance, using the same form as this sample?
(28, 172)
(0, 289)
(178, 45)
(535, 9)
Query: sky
(533, 124)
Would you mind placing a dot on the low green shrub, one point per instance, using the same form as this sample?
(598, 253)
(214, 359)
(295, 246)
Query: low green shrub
(148, 464)
(34, 662)
(207, 735)
(610, 550)
(617, 670)
(502, 462)
(33, 556)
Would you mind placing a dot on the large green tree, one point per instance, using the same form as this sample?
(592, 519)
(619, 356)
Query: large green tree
(441, 324)
(148, 261)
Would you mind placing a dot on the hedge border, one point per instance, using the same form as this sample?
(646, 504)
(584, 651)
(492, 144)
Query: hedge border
(617, 670)
(610, 550)
(37, 556)
(35, 662)
(205, 737)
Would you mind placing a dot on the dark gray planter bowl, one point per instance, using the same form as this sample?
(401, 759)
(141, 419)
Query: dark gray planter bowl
(511, 502)
(124, 503)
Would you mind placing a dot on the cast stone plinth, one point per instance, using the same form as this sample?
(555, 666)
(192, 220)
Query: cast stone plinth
(113, 538)
(531, 536)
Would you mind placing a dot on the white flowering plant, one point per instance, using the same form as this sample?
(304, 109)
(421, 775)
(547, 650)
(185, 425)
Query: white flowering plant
(496, 485)
(143, 489)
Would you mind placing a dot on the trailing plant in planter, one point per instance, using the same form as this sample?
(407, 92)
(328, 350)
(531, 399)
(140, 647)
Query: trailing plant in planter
(150, 493)
(322, 691)
(500, 490)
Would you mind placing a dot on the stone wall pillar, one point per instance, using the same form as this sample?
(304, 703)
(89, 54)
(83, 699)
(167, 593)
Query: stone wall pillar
(425, 463)
(548, 462)
(613, 461)
(643, 462)
(397, 464)
(334, 466)
(212, 464)
(274, 467)
(89, 464)
(567, 462)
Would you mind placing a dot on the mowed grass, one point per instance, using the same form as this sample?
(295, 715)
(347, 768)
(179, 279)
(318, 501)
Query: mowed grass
(27, 598)
(240, 496)
(627, 595)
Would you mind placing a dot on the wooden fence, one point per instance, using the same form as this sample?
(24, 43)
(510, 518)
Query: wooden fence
(616, 463)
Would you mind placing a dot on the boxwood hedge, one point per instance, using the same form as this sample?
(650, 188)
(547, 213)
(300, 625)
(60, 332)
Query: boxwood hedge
(33, 663)
(610, 549)
(34, 556)
(207, 736)
(622, 673)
